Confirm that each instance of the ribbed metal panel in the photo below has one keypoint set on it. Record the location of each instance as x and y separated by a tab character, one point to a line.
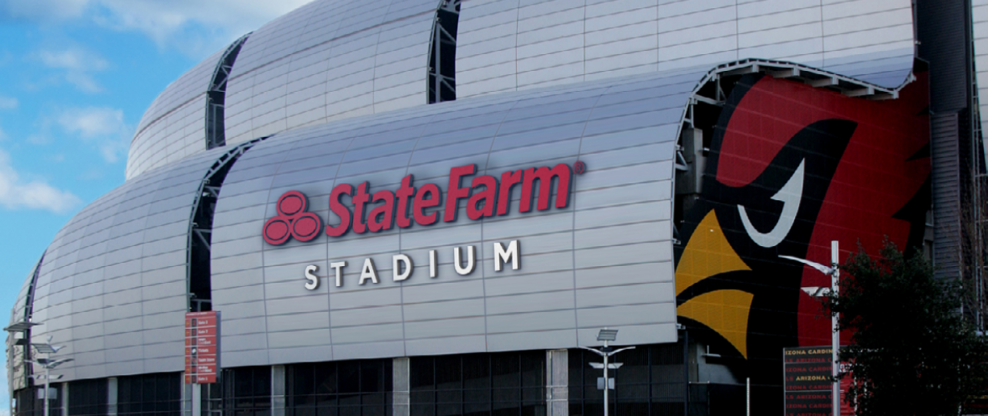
946	194
944	31
518	44
979	16
328	60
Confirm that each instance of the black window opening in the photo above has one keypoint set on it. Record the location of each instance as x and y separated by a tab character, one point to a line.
442	52
505	384
201	228
344	388
651	381
88	397
149	394
247	391
695	141
30	401
23	402
216	95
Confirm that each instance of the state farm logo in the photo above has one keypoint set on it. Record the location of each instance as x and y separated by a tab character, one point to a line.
292	221
486	196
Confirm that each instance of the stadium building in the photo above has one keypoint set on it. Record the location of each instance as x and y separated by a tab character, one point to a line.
427	207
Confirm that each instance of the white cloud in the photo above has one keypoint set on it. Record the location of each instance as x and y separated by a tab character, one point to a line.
8	103
73	59
43	10
78	64
195	27
16	193
83	82
101	126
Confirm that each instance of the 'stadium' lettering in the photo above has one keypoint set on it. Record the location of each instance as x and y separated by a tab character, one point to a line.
485	196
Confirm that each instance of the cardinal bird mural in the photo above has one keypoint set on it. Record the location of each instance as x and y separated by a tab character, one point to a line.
790	168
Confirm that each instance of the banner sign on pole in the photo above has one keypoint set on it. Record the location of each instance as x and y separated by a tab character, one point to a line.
202	347
808	386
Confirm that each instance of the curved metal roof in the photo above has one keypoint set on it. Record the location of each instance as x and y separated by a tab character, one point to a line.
112	286
173	127
334	59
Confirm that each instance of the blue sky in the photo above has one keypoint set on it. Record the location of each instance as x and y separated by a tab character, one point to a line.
75	79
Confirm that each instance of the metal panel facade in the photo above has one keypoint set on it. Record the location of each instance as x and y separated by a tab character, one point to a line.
112	287
334	59
341	87
506	45
606	259
173	127
329	60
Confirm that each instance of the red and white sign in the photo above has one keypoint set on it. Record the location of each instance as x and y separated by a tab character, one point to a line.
375	211
202	358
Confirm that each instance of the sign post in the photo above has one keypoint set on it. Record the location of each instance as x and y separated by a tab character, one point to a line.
835	337
202	347
808	386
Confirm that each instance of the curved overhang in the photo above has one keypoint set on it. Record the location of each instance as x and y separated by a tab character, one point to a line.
505	46
112	286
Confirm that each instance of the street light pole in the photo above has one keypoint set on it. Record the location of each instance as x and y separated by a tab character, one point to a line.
47	390
835	338
834	272
47	363
607	382
22	327
606	352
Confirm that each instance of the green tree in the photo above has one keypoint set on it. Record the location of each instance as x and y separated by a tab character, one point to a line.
911	352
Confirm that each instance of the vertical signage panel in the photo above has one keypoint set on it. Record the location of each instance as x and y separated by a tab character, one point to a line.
808	386
202	349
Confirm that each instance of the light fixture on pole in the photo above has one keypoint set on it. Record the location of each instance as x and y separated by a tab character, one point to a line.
47	363
23	327
834	272
606	335
20	326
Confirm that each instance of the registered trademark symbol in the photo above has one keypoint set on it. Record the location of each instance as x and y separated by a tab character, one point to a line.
579	167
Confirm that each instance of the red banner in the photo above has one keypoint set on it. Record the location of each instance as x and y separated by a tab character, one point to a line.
808	385
202	335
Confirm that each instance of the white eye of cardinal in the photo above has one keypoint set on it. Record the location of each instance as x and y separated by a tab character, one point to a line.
790	195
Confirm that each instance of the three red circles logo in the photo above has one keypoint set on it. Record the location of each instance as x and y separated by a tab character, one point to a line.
292	221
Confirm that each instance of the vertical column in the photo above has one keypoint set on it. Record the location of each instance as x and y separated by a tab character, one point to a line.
196	399
557	382
65	399
277	390
186	389
401	386
111	396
